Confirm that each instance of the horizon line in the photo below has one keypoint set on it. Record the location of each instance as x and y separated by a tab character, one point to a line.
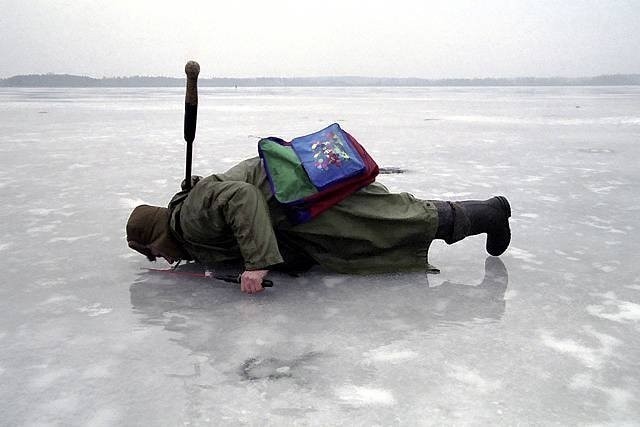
347	76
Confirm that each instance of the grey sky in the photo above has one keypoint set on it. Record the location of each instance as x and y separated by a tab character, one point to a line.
396	38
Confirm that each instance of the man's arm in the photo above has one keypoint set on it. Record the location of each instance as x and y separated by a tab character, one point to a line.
246	212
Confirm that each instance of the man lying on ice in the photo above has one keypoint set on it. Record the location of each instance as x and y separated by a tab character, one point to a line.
234	217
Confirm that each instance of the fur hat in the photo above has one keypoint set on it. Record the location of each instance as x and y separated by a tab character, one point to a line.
149	226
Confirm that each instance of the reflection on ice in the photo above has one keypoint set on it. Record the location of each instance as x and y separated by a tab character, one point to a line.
154	294
324	338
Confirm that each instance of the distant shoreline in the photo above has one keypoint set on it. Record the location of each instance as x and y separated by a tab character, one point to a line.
68	80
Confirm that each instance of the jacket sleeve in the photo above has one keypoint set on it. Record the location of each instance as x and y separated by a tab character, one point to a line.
245	211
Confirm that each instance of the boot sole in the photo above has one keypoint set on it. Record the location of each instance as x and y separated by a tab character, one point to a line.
504	204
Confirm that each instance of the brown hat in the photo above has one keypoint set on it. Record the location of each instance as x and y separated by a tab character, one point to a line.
149	226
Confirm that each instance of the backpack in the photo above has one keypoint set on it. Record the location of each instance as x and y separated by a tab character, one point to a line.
311	173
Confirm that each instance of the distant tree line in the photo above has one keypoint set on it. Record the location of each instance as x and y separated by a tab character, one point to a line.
68	80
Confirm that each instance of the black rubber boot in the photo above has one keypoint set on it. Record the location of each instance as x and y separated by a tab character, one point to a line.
457	220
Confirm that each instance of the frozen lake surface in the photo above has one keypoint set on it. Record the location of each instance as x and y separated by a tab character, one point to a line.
548	333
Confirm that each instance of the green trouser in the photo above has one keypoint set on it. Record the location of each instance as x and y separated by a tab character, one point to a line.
371	231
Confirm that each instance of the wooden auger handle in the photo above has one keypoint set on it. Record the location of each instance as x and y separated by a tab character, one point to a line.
192	69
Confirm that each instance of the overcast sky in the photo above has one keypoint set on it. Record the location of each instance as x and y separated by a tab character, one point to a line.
395	38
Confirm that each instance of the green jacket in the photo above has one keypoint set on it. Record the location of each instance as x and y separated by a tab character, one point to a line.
233	216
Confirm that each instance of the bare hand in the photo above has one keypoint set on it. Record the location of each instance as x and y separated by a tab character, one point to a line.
251	281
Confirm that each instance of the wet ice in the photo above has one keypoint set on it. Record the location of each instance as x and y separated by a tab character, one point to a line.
545	334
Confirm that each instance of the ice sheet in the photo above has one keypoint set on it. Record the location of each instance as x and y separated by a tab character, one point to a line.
546	334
